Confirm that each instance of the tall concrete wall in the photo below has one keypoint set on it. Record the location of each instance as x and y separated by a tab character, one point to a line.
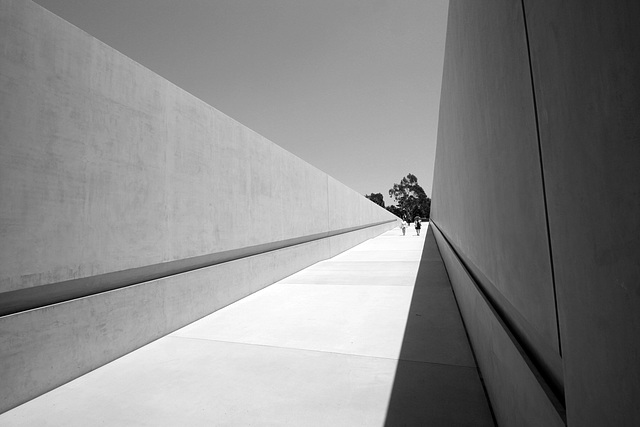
536	207
130	208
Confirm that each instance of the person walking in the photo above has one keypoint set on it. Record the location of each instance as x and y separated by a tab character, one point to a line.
417	224
403	226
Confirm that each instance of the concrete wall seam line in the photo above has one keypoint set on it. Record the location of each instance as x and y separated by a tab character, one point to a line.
544	188
13	302
556	400
107	166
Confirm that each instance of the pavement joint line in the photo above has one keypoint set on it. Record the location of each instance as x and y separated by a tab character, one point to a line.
377	262
374	261
285	348
327	352
456	365
370	261
343	284
377	250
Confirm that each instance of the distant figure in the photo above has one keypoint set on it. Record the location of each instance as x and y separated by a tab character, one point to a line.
403	226
417	224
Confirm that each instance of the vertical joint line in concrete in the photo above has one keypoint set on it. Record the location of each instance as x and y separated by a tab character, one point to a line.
544	190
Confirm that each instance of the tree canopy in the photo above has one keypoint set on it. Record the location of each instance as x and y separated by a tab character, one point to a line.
376	198
411	199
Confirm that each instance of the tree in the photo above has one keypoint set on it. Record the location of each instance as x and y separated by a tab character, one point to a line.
395	210
411	198
376	198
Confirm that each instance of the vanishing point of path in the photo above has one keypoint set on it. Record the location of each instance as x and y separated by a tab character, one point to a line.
371	337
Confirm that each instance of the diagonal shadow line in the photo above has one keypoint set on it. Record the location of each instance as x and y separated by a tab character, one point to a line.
31	298
436	382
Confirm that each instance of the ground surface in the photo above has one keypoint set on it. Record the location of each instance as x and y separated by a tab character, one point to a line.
369	337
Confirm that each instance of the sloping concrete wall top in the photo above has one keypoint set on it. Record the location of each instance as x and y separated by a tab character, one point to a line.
106	166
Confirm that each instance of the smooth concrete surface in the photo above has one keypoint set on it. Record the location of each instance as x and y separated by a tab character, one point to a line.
499	358
487	191
341	242
488	201
536	190
44	348
298	352
586	73
108	170
106	166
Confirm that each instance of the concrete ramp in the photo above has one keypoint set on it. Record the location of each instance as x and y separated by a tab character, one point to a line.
370	337
130	208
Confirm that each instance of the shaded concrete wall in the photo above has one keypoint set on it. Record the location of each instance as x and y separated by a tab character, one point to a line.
536	205
130	208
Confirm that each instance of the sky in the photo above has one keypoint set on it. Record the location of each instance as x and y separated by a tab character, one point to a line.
349	86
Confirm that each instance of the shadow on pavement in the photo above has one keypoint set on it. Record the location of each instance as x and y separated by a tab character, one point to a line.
436	381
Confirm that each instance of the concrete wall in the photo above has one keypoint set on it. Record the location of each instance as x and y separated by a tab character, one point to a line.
130	208
536	204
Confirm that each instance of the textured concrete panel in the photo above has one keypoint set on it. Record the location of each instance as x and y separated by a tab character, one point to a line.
586	65
106	166
488	194
343	212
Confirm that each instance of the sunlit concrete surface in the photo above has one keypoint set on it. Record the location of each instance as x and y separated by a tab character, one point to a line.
321	347
120	196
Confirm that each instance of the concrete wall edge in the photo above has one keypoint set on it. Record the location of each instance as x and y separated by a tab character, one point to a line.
37	297
543	382
44	348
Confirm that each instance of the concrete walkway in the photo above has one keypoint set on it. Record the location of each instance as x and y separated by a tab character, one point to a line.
367	338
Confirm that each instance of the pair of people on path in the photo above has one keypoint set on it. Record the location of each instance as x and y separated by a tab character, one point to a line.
417	222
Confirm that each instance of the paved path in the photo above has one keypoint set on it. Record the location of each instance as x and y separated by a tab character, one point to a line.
369	337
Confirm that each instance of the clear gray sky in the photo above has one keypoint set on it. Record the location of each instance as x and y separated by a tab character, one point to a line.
350	86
